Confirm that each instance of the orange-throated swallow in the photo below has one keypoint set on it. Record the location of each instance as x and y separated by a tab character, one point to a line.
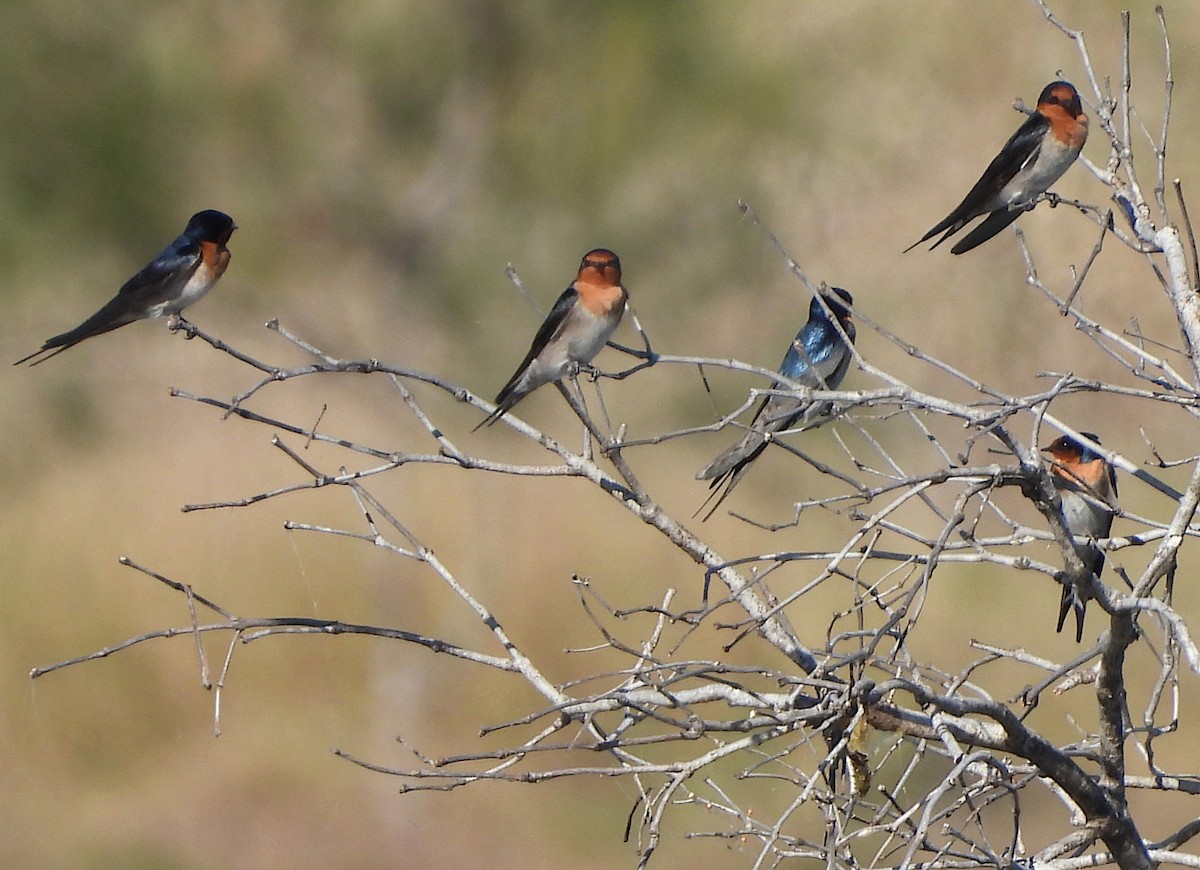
1036	156
818	357
184	271
1087	485
578	326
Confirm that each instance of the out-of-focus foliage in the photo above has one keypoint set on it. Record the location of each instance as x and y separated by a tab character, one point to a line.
385	161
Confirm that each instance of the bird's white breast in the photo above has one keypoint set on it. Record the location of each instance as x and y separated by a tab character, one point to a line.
1053	159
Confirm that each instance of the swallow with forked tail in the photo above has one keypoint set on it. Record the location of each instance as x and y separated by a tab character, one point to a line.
578	326
818	357
1087	485
1036	156
184	271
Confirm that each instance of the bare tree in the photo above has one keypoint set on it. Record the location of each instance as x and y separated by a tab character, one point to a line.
888	756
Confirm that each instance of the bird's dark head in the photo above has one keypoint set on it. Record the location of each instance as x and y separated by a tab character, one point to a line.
1061	94
600	264
838	300
211	225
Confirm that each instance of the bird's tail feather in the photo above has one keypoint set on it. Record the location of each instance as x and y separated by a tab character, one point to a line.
721	487
742	452
991	225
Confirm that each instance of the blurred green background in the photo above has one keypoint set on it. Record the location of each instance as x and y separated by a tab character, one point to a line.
385	161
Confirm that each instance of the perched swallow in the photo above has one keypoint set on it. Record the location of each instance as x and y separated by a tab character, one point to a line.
1087	485
818	358
578	326
1036	156
184	271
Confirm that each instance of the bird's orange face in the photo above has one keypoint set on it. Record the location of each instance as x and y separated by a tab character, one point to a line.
1076	463
600	266
1065	450
1063	94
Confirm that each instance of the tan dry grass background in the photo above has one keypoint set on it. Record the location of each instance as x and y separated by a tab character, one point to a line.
385	161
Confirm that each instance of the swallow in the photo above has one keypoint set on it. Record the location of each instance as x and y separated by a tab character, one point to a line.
818	357
578	326
184	271
1087	485
1035	157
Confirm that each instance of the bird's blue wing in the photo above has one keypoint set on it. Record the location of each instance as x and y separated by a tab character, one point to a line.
1021	149
170	269
547	332
815	356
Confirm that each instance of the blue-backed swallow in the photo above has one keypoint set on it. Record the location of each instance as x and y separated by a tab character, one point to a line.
184	271
1087	485
1036	156
817	358
578	326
